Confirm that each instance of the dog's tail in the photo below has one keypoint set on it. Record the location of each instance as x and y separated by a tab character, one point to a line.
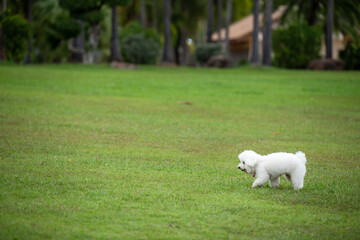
301	155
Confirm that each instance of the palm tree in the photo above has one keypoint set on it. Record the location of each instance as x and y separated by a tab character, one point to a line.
30	19
167	56
2	52
267	33
186	15
210	18
77	44
255	41
143	13
219	19
3	5
308	9
346	14
115	48
329	28
155	8
228	19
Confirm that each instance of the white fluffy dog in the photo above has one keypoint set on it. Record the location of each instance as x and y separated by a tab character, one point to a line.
272	166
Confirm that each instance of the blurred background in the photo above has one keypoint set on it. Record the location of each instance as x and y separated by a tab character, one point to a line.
317	34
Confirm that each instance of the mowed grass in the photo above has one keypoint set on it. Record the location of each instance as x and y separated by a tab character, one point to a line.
90	152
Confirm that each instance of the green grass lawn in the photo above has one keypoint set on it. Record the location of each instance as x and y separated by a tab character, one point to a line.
90	152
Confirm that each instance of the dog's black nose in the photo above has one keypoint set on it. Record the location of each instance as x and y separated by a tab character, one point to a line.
239	168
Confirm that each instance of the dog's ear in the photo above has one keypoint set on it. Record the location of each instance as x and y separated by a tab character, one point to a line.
251	162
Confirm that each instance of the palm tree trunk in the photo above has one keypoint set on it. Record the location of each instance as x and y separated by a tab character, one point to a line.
94	38
255	35
209	20
177	50
2	50
167	56
77	45
228	20
154	13
115	48
329	28
219	20
267	34
311	15
185	49
30	19
3	5
143	13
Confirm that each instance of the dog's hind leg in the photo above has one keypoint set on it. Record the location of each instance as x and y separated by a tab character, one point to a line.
274	182
297	178
298	184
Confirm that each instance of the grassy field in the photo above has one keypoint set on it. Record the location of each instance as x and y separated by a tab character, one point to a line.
90	152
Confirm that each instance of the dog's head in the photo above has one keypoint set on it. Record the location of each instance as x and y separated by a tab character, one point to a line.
248	161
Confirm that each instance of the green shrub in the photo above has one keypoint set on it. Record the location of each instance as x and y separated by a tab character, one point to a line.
242	62
206	50
351	56
131	28
139	45
139	49
15	35
296	46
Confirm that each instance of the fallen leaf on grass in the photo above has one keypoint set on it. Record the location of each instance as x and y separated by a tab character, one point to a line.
186	103
172	226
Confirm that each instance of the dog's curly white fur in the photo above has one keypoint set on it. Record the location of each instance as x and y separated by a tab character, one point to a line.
272	166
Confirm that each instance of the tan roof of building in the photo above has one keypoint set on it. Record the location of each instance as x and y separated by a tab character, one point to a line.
244	27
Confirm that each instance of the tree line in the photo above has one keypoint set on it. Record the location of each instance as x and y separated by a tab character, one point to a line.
76	30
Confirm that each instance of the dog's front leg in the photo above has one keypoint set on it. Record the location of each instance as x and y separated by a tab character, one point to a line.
260	180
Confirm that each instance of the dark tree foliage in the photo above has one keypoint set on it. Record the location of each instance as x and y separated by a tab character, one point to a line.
68	28
85	10
80	6
113	3
351	56
15	31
